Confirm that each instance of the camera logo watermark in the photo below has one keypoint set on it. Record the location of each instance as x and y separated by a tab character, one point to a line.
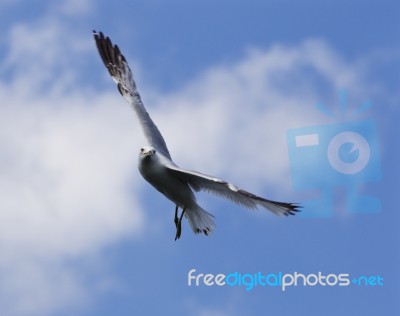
343	154
281	280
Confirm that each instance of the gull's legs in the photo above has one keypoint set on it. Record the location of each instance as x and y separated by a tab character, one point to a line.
176	217
178	223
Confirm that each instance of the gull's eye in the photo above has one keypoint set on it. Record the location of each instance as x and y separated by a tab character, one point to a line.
141	150
154	151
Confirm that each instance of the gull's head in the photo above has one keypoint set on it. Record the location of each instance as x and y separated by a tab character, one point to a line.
146	152
148	161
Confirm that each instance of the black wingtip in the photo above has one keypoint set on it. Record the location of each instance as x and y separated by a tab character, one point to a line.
206	231
109	53
97	35
293	208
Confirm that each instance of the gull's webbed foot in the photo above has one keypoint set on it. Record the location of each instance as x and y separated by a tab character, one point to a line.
178	231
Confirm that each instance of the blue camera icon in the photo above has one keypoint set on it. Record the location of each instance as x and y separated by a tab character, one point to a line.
326	156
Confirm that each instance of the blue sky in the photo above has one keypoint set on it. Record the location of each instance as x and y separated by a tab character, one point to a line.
81	233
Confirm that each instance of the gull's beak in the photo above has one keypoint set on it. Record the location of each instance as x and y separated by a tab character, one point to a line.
147	153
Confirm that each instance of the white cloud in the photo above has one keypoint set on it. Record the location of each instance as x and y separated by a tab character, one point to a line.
69	183
64	163
66	185
66	179
68	157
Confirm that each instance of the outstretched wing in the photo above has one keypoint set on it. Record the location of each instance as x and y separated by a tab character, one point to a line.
119	70
199	181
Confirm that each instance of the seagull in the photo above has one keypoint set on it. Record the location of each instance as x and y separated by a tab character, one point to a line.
156	166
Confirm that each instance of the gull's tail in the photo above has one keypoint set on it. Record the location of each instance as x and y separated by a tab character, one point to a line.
200	221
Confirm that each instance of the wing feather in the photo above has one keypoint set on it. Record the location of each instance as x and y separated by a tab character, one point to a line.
199	181
120	72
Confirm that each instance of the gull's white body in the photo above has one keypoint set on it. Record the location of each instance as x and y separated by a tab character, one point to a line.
154	168
156	165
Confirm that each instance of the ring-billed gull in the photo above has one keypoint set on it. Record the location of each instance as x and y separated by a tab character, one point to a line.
156	165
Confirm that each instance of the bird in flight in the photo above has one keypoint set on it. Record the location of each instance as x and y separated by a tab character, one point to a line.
156	165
